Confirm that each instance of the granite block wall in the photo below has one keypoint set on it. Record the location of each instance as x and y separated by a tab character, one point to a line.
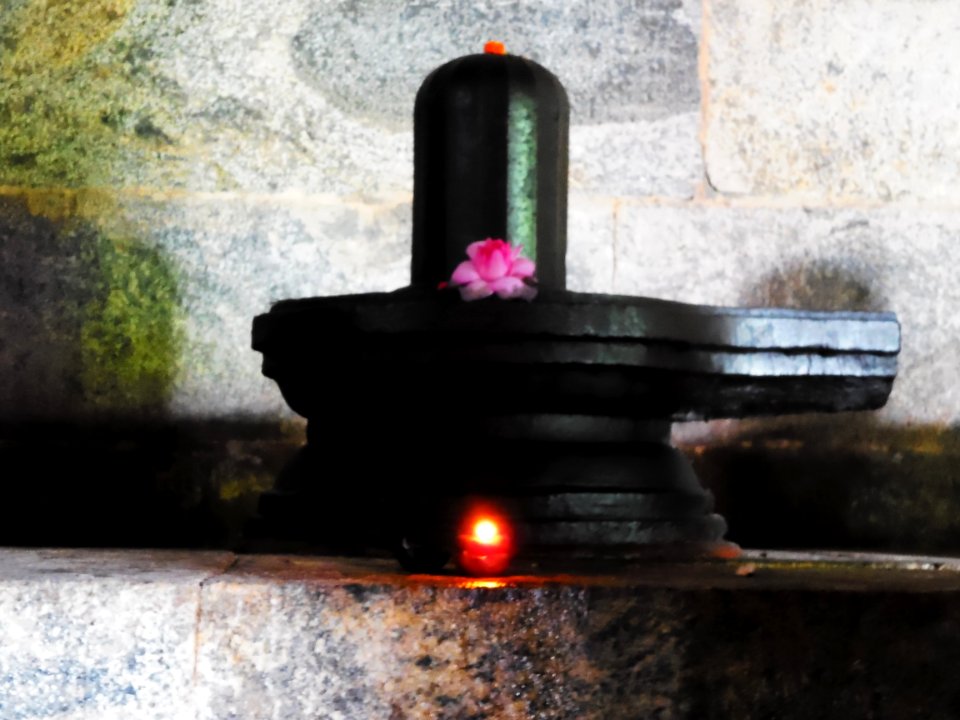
168	168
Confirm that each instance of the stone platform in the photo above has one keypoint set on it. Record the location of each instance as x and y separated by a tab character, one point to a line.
141	634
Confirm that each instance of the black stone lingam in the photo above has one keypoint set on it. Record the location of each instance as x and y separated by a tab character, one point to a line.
555	411
490	161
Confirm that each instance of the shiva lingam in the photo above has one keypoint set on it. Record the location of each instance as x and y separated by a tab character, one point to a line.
486	411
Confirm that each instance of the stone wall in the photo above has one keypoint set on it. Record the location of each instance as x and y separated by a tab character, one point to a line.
168	168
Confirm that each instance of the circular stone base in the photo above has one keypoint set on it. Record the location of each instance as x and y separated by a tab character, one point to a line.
556	411
587	485
573	353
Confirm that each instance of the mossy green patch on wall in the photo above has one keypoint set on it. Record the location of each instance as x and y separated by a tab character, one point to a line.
131	334
58	32
93	321
75	95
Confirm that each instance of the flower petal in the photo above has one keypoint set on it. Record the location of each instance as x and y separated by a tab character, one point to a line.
507	287
528	293
465	273
522	268
474	247
492	263
475	290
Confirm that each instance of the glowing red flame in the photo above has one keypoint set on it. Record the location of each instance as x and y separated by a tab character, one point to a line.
486	544
487	532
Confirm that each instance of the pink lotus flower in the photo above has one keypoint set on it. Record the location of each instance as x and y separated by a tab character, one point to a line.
497	267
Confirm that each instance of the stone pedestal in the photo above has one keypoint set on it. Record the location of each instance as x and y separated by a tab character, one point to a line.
212	636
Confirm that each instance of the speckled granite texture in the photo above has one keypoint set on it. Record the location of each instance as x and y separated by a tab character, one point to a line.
833	101
177	636
318	97
90	636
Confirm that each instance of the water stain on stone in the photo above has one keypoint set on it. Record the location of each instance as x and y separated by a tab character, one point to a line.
819	285
850	481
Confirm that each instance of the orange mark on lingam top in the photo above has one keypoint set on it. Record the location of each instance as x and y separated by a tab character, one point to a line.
495	47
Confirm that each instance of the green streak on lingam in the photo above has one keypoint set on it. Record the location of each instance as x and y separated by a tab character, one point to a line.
522	174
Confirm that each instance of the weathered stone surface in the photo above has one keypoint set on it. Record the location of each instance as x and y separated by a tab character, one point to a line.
100	636
236	96
286	638
618	64
120	304
123	304
826	100
163	635
660	157
590	244
883	259
178	95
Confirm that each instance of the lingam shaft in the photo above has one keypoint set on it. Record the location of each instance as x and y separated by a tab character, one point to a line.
490	161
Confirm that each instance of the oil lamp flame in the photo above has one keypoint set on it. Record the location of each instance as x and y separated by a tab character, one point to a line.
487	532
486	544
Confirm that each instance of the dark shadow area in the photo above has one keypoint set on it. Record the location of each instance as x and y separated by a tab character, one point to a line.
852	646
843	481
90	347
833	481
796	654
173	484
